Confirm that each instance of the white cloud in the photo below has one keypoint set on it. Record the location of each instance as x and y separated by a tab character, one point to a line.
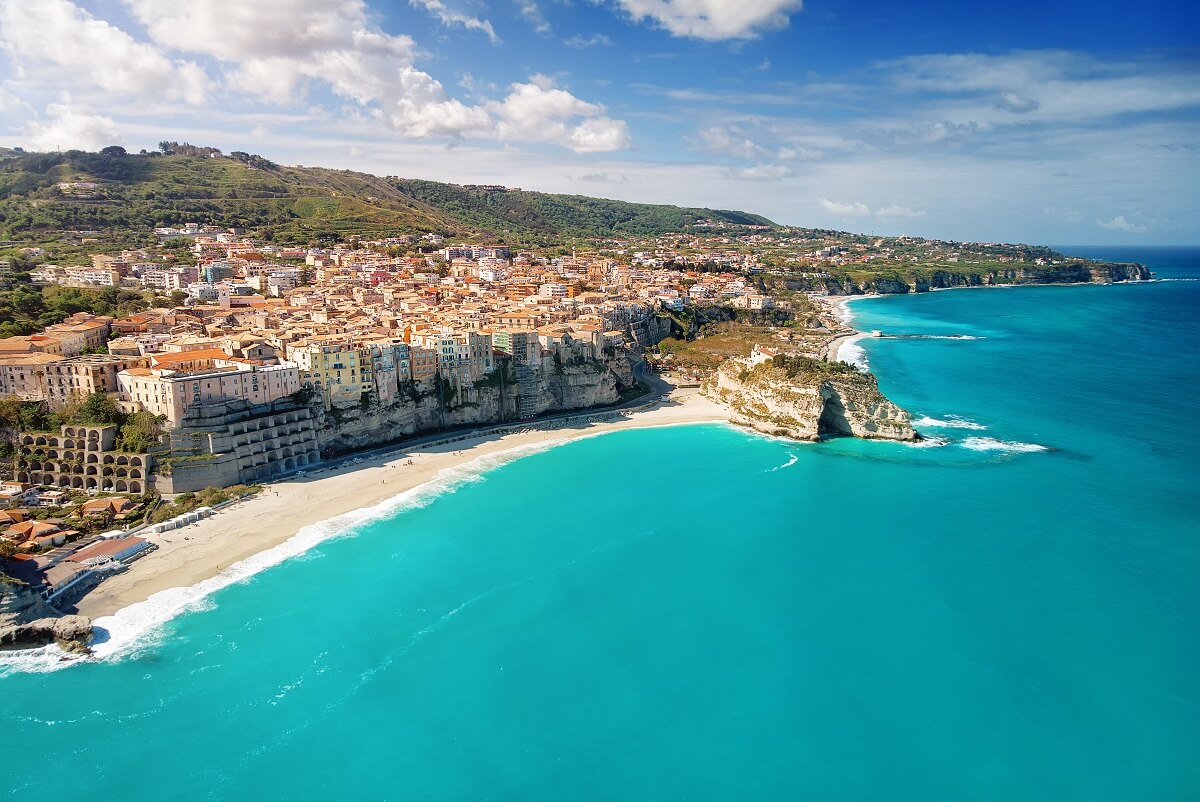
540	111
450	17
852	209
70	129
60	41
580	42
275	49
731	141
758	172
1119	223
714	19
894	211
423	109
533	15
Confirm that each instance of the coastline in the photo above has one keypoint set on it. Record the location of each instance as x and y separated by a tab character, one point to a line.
842	346
223	545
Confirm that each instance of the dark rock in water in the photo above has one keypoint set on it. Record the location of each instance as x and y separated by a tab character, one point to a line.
26	622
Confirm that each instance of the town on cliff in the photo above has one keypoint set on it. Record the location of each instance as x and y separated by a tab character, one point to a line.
143	385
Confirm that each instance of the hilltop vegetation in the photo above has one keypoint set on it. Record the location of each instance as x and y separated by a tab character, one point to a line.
41	200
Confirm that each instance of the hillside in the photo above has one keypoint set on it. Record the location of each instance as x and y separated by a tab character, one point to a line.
44	195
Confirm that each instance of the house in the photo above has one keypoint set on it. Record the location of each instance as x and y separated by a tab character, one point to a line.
40	533
10	517
14	494
115	506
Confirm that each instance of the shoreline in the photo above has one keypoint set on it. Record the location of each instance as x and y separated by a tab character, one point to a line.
224	544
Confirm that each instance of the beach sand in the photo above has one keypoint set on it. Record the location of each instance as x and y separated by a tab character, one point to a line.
197	552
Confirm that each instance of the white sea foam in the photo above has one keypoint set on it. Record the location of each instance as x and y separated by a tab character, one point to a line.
1006	446
138	626
850	351
928	442
951	422
791	461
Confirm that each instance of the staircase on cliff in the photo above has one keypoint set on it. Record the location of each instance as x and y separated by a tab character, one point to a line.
527	383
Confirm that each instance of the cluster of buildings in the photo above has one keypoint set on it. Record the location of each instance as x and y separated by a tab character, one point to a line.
262	327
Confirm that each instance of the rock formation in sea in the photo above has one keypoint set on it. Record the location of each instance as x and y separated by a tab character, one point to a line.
806	399
26	620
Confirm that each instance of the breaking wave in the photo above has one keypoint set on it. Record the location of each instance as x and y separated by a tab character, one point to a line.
136	627
1005	446
951	422
791	461
850	351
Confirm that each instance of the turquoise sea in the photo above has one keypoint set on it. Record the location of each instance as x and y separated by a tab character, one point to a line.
1011	612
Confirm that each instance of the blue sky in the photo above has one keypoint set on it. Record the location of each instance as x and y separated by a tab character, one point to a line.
1063	122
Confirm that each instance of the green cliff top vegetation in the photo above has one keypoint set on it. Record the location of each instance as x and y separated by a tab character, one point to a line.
136	192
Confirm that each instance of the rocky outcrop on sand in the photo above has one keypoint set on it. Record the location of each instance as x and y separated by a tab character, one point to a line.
27	621
807	399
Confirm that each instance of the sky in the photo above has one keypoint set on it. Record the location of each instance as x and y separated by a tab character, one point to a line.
1056	121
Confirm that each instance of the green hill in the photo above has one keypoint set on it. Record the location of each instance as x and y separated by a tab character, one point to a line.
45	196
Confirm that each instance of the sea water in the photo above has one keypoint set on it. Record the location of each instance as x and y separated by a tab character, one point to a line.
1009	611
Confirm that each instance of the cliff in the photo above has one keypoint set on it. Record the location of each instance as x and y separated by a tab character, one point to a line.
806	399
25	620
555	385
1072	272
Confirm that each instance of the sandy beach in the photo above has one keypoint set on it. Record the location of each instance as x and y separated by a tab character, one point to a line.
190	555
840	307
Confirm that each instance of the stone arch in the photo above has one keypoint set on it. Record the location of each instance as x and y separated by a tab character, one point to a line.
68	455
77	482
90	483
41	441
135	461
23	477
69	431
107	459
49	479
78	470
134	473
120	486
122	460
289	464
121	472
107	470
135	487
92	458
91	470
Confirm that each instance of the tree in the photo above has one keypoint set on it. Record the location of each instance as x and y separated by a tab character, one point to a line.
140	432
113	150
97	409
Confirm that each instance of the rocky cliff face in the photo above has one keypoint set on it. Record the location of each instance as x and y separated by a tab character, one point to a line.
25	621
805	400
556	385
1075	272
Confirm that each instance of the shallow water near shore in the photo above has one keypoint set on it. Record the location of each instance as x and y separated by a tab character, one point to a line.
1006	612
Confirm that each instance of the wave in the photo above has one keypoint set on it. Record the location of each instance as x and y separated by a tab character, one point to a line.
951	422
138	626
928	442
850	351
792	461
1006	446
931	337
